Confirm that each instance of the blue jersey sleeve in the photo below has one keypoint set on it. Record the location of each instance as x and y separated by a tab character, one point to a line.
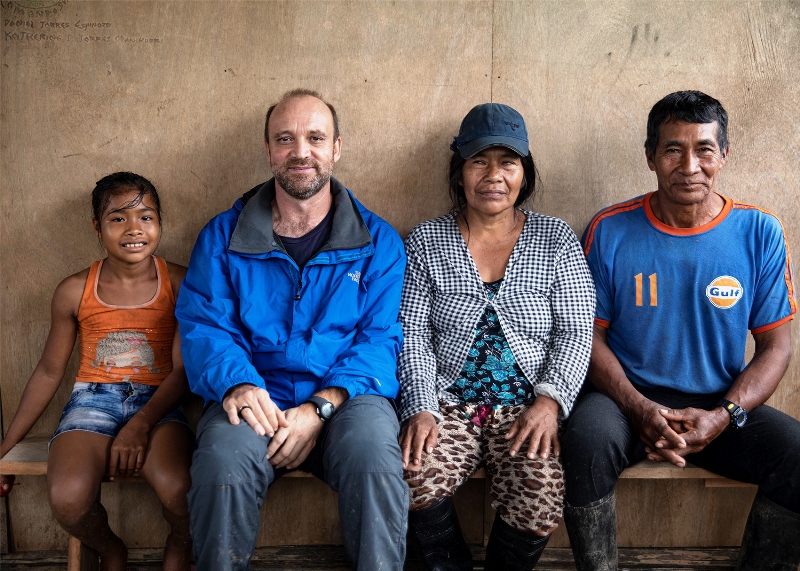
774	301
592	248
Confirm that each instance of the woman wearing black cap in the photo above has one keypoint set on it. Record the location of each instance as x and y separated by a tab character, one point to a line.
497	313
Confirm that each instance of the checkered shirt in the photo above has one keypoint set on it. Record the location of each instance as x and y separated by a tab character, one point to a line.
545	305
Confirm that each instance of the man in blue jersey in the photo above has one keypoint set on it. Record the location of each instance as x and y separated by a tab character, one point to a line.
290	331
682	274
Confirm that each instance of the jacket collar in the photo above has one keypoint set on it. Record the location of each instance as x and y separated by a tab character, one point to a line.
253	233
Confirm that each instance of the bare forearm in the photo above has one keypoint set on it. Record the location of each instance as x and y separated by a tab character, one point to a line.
335	395
608	376
758	381
37	395
167	397
169	393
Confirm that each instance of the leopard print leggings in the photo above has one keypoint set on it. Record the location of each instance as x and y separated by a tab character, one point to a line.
528	494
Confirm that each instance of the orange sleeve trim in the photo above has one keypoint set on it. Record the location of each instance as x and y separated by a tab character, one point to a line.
602	322
632	204
778	323
788	273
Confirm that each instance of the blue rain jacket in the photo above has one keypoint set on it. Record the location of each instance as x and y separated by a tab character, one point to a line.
248	314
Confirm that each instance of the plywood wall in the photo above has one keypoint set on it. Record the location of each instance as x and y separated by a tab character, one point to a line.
176	90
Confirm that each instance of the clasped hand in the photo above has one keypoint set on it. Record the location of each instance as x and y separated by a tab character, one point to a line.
670	435
255	407
293	433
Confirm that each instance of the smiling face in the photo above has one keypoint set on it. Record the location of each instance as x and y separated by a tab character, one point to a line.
687	162
129	228
492	180
301	146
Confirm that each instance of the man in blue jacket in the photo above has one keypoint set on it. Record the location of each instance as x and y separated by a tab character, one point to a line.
288	319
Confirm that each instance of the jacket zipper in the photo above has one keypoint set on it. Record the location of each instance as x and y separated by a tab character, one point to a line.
299	286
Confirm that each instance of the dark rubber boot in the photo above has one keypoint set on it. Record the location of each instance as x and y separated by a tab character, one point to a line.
512	550
771	539
436	532
592	531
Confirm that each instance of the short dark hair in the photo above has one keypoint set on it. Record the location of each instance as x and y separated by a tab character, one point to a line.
301	92
459	199
120	183
688	106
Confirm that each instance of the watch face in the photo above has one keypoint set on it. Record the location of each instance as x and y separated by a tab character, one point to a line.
326	411
738	414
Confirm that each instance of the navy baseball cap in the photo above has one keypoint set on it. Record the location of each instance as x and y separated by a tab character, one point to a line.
491	125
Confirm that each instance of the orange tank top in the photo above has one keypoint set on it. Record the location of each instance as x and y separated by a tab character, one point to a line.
126	343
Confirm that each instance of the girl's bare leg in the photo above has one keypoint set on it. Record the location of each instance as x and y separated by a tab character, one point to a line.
75	467
166	469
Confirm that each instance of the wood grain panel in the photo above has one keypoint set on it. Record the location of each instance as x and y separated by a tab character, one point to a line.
176	90
585	75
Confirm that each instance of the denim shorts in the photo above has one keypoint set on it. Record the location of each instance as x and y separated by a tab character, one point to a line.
104	408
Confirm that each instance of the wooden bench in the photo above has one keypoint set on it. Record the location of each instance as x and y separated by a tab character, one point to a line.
29	458
648	470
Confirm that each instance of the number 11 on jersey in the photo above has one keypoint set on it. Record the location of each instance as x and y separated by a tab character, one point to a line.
653	289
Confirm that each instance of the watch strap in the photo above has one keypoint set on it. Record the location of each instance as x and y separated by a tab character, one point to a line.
735	412
320	404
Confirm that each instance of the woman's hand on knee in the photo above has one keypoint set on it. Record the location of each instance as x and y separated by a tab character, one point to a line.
418	433
537	425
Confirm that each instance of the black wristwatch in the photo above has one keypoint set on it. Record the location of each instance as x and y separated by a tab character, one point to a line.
325	408
738	414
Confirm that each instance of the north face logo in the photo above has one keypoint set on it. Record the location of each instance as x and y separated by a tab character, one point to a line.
355	276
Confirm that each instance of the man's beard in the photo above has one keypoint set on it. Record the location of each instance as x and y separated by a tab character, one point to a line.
300	187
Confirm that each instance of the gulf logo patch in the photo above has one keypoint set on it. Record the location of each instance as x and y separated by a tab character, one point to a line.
724	292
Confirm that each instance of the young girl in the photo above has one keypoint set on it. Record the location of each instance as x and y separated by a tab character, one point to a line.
123	416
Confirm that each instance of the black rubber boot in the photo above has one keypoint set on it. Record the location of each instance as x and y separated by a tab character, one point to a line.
512	550
592	531
438	536
771	539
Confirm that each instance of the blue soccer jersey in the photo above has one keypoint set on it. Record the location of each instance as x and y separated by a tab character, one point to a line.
678	302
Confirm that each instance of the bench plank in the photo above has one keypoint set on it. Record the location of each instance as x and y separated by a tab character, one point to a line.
27	458
649	470
660	470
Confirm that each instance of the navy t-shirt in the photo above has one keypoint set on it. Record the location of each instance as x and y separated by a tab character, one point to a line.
302	249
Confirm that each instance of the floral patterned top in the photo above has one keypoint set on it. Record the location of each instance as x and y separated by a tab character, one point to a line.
491	374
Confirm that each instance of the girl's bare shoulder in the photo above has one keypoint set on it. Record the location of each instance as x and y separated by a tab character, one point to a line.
176	275
69	292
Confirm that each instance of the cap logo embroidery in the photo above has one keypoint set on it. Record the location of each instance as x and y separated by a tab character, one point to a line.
514	126
724	292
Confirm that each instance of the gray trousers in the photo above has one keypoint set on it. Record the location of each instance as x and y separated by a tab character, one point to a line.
357	455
